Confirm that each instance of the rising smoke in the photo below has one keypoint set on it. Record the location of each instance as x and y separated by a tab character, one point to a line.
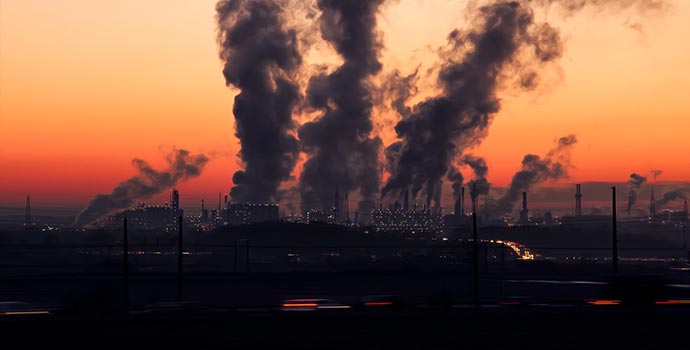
503	45
341	151
147	183
479	185
505	41
554	166
669	196
261	58
634	184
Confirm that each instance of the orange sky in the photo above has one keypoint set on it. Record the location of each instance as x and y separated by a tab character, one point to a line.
85	86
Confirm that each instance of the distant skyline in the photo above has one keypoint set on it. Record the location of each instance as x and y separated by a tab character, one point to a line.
86	87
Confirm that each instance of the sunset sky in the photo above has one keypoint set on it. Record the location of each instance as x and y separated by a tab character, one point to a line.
86	86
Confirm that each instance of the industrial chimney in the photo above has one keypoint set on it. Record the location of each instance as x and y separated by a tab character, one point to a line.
578	201
524	216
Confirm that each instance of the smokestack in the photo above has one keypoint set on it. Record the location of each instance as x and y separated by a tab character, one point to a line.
457	209
335	206
225	200
406	199
652	205
462	201
524	212
474	198
685	210
174	199
27	213
347	207
578	200
219	203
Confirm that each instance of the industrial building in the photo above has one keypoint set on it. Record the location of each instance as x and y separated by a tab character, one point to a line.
249	213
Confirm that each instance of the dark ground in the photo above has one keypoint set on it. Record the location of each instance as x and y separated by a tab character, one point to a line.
607	327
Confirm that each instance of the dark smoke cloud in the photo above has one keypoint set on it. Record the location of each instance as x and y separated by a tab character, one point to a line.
479	185
401	88
656	173
456	179
669	196
505	41
146	184
554	166
341	151
636	180
634	184
261	57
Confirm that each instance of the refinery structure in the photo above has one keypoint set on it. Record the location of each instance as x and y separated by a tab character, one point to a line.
405	216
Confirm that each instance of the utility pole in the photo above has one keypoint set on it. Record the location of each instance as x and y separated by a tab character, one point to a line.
475	243
614	231
125	263
179	263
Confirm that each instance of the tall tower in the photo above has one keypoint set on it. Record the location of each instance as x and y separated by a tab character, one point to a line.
457	211
652	205
685	213
406	201
219	202
347	207
175	199
473	195
335	204
578	201
27	214
204	212
524	212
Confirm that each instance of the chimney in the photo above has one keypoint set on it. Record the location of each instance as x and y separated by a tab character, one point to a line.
473	194
652	205
406	199
457	210
347	207
335	206
462	201
524	216
27	214
578	201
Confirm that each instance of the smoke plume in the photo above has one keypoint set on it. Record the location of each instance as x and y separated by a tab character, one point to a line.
554	166
680	193
479	185
261	57
505	41
656	173
504	44
341	151
634	184
147	183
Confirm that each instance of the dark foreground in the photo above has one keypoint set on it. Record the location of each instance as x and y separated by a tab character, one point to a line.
610	327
